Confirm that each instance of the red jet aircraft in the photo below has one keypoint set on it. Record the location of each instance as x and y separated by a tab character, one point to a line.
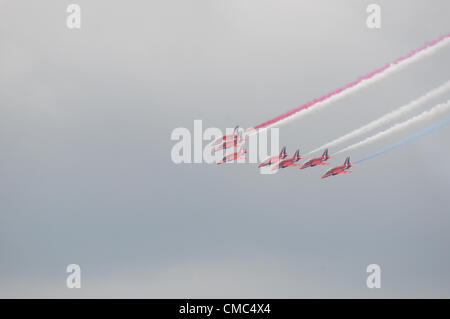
317	161
275	159
234	156
238	139
227	138
290	161
339	169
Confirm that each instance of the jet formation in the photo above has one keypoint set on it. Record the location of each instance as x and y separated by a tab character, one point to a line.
280	161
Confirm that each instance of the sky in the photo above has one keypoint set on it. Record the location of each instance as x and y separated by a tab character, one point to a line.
86	175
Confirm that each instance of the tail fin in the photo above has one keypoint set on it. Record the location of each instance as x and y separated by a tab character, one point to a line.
237	137
296	156
283	152
325	153
347	162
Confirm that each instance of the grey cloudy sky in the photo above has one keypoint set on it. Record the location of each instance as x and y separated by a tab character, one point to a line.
85	169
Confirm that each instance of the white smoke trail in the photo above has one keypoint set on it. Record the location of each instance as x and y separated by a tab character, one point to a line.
372	77
429	114
387	117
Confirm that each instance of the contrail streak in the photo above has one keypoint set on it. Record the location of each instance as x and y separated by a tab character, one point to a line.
436	110
408	139
387	117
361	82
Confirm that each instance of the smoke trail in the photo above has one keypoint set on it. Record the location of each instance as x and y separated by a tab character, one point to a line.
410	138
438	109
361	82
387	117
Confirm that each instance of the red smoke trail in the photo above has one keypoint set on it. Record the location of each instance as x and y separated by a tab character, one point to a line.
361	80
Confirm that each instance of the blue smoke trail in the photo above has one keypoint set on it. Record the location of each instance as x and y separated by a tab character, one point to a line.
410	138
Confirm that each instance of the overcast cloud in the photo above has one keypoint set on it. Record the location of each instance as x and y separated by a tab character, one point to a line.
85	169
